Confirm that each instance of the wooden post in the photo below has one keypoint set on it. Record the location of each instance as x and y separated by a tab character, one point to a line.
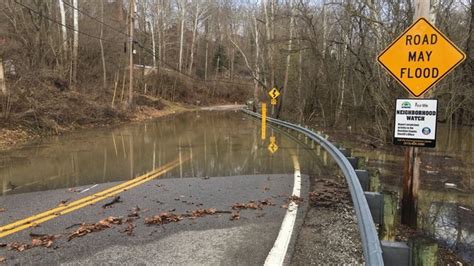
411	173
130	42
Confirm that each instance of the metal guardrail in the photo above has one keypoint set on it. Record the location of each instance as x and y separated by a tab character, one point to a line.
368	233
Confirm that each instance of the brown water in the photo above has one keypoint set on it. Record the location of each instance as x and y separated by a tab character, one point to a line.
445	213
208	143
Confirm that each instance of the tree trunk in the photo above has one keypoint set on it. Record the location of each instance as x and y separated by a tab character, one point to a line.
206	35
257	68
130	81
63	29
288	63
153	44
195	26
269	42
75	45
3	86
181	38
104	70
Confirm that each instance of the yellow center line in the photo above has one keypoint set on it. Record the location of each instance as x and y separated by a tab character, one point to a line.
86	201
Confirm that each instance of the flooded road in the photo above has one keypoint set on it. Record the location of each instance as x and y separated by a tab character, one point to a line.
225	189
208	143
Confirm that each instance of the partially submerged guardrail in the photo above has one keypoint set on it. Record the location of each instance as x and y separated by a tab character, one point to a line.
368	232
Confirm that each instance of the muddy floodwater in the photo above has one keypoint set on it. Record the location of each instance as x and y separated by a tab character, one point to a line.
207	143
446	198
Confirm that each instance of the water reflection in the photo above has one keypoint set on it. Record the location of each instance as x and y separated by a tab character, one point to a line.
453	224
446	215
216	143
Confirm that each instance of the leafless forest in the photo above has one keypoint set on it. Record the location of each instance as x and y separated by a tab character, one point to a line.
67	61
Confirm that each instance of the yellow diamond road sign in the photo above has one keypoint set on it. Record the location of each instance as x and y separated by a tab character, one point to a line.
274	93
272	147
420	57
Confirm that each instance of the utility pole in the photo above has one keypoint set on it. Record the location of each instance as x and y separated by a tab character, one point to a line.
130	43
411	172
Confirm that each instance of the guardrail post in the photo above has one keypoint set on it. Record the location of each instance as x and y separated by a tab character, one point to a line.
390	203
363	177
346	152
375	201
354	161
395	253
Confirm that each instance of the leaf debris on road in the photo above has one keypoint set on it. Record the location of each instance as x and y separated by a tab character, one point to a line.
2	259
129	229
85	229
235	216
18	246
134	213
43	240
297	200
163	218
252	205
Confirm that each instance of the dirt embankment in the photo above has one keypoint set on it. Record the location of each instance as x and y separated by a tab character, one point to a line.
43	104
55	113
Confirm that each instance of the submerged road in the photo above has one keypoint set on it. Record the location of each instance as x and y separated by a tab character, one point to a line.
181	211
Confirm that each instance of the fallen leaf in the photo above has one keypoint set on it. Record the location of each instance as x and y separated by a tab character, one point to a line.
202	212
163	218
295	199
284	206
2	259
235	216
63	202
252	205
266	202
129	229
238	206
18	246
42	240
2	209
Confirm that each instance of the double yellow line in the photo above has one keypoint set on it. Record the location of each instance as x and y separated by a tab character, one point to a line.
67	208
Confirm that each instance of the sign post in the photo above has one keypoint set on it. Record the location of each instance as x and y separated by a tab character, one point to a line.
419	58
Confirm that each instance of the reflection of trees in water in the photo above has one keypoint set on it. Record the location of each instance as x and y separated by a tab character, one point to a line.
454	225
216	143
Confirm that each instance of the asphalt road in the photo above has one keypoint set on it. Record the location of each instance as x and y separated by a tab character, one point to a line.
211	239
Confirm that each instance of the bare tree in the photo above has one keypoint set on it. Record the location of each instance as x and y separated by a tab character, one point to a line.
75	46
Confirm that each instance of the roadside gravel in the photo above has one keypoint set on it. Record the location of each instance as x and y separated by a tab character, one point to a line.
329	234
